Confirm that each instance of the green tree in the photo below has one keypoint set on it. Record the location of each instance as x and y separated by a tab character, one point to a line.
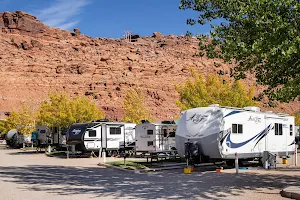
259	36
134	107
200	92
62	111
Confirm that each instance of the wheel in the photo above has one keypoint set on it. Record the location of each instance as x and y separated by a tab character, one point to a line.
114	153
230	163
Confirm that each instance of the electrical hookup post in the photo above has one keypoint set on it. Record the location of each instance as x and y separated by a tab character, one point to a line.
295	155
236	164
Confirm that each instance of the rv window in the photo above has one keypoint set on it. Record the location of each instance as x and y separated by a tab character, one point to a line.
240	128
234	128
92	133
149	132
115	131
150	143
172	134
278	129
291	129
237	128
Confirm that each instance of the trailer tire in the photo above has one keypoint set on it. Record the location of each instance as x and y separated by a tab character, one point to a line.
230	163
114	153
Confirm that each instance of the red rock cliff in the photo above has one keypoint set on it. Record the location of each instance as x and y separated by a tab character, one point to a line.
35	59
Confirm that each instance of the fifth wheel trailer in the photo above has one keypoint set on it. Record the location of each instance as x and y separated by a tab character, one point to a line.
221	132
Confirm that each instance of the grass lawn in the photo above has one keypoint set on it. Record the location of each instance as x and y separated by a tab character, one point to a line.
57	153
129	164
29	148
141	164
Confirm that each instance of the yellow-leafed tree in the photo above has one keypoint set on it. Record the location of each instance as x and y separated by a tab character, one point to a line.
23	120
62	111
134	107
297	118
85	110
200	92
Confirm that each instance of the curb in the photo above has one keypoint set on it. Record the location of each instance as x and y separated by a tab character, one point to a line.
291	192
118	168
47	154
139	171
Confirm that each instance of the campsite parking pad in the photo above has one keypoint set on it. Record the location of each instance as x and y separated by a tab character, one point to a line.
32	176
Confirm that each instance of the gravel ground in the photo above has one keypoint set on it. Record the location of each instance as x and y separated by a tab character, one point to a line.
32	176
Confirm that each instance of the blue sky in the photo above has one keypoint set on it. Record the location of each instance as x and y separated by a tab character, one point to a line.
110	18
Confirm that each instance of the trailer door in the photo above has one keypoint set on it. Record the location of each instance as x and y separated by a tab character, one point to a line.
115	135
276	139
92	138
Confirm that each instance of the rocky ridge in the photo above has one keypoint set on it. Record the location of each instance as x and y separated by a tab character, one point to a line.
36	59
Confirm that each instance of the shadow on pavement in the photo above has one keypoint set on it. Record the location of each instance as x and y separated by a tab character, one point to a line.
26	152
101	182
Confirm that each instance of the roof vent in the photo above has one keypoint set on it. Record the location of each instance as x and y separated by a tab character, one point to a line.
214	105
252	108
101	120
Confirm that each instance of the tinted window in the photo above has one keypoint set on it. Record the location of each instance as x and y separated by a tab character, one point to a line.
291	130
149	132
115	131
172	134
234	128
237	128
150	143
240	128
278	129
92	133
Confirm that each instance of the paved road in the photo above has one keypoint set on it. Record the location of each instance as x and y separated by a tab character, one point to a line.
27	175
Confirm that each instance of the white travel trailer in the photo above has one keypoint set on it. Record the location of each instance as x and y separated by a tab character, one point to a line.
87	137
43	136
220	132
47	136
155	137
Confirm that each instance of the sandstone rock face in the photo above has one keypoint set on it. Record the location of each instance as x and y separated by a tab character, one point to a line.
76	32
157	35
21	21
36	59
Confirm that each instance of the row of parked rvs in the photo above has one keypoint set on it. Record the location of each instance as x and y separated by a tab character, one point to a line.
216	133
208	133
41	137
144	137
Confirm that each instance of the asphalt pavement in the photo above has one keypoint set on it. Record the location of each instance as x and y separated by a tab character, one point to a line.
27	175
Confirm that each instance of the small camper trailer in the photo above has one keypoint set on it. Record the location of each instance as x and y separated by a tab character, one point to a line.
14	139
221	132
50	136
155	137
87	137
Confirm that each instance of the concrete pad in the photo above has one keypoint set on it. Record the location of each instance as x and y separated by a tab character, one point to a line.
292	192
